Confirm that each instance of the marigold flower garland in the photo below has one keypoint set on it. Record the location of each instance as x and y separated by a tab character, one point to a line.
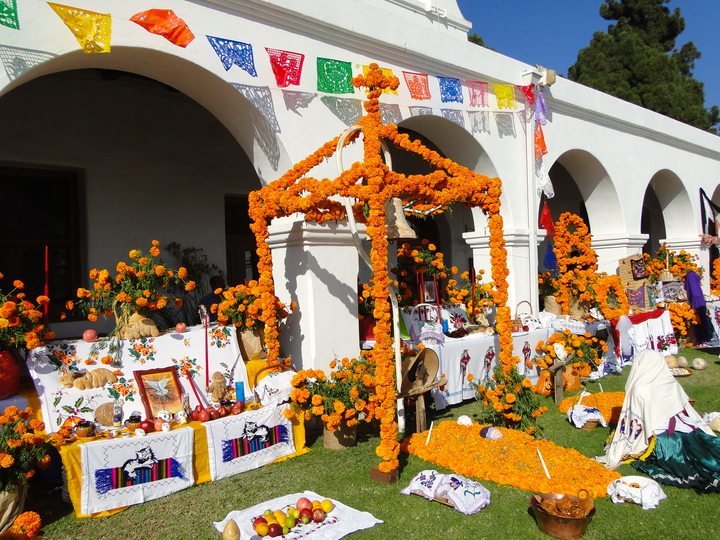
586	348
512	460
372	184
608	403
577	279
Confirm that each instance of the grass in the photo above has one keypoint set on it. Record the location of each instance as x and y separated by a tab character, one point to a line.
344	475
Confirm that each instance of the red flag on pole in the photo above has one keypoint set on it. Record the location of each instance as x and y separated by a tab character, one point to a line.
546	221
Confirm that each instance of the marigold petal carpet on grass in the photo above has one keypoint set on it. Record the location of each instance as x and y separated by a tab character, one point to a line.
608	403
512	460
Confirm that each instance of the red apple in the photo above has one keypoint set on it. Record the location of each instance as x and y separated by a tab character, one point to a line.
258	520
147	426
158	424
237	407
318	515
303	502
274	529
214	414
222	412
89	335
306	513
180	327
204	416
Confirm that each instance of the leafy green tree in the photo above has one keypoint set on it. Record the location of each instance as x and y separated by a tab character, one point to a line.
478	40
636	60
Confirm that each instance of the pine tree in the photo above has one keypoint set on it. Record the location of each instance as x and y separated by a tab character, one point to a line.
636	60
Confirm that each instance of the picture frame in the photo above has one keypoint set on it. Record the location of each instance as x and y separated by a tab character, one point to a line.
429	292
160	390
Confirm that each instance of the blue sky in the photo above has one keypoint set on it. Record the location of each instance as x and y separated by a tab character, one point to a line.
551	32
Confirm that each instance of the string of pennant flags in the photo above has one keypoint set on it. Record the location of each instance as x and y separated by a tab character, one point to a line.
93	32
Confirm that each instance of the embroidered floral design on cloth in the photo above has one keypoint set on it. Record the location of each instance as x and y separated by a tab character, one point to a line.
636	297
512	460
417	83
165	23
8	14
478	93
92	30
286	66
234	53
450	90
333	76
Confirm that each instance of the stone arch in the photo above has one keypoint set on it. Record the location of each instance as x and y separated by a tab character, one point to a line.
675	203
457	144
237	107
599	195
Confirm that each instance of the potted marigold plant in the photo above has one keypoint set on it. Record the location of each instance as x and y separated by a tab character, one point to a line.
340	400
20	327
135	290
247	307
23	449
587	351
508	400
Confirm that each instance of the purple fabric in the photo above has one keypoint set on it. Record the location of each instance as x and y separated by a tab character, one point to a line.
693	290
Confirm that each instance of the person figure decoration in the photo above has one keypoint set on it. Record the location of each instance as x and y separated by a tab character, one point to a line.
660	434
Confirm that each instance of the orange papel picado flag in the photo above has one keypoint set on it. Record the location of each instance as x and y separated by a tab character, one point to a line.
91	29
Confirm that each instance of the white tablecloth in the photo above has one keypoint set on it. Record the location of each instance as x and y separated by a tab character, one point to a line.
186	351
478	354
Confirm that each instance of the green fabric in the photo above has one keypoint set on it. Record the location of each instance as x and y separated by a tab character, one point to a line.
687	460
8	14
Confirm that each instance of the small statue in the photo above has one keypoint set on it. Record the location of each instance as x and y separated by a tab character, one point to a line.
218	390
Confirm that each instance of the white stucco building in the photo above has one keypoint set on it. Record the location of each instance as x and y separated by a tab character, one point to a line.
151	140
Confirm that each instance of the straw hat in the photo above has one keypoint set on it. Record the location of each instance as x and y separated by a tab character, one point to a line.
420	370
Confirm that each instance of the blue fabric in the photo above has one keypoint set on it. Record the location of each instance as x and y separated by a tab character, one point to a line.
550	260
234	53
686	460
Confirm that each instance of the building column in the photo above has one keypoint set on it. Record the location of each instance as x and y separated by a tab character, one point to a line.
316	266
693	245
518	261
610	248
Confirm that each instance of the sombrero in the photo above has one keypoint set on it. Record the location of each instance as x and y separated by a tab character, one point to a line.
419	371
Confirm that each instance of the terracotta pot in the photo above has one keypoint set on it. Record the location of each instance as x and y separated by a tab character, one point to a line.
344	437
12	503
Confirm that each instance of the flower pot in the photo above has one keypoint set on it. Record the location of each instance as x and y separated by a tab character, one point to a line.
341	438
9	375
12	503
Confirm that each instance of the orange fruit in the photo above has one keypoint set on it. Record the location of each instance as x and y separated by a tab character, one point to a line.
280	517
316	504
261	529
327	505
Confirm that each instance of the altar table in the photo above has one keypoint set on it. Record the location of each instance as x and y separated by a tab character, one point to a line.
477	354
202	467
196	354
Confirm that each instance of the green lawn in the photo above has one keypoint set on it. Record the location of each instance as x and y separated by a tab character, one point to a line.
344	475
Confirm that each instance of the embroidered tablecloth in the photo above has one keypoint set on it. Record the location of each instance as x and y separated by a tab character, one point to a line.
187	351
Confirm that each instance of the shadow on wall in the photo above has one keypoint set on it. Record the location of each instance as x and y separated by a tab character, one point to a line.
265	123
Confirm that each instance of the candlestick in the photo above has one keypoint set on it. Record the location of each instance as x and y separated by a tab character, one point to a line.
46	288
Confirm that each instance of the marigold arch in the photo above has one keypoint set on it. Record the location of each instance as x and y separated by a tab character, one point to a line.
371	184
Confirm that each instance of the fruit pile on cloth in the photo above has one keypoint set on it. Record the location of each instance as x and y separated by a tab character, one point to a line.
342	521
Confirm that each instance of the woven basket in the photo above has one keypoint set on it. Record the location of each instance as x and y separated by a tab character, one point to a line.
517	320
591	424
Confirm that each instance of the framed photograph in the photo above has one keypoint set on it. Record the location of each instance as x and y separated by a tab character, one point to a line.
429	292
160	390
